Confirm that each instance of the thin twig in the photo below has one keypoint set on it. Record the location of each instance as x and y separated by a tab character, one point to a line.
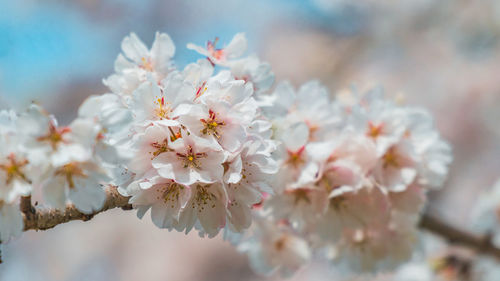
480	243
42	219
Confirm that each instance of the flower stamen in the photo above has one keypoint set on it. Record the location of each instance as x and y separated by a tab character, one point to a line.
211	125
191	158
14	169
54	136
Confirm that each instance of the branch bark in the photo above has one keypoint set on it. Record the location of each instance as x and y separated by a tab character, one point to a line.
480	243
42	219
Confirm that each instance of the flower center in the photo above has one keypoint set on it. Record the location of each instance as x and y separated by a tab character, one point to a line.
390	159
218	54
13	169
69	171
211	125
204	198
295	158
160	148
163	110
54	136
191	158
171	192
374	131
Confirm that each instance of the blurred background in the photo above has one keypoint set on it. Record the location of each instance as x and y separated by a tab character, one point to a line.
440	54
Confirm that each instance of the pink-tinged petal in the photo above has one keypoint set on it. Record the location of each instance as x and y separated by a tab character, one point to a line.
410	200
166	163
320	151
140	163
213	164
179	145
204	176
308	174
246	194
233	174
170	167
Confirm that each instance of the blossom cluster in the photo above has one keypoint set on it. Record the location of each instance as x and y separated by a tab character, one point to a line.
353	177
199	148
215	146
62	162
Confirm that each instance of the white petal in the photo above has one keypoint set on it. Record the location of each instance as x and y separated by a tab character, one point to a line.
237	46
232	137
11	222
54	192
133	48
87	196
296	136
162	51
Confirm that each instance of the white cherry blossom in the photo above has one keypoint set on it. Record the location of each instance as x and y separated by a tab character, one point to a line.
138	63
190	160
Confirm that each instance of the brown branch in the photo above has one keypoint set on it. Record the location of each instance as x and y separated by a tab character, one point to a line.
480	243
42	219
26	207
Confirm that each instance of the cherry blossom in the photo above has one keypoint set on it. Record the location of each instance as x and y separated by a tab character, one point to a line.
287	174
191	160
138	63
275	249
16	175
